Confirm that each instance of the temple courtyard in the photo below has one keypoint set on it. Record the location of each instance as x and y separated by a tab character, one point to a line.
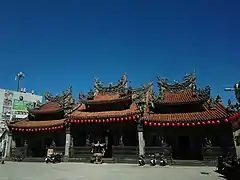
80	171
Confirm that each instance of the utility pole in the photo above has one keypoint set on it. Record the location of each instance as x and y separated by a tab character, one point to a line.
19	77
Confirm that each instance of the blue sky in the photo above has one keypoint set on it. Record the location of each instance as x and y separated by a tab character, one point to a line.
58	44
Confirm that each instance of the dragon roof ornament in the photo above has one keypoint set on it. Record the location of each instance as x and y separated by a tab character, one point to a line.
189	83
66	101
118	88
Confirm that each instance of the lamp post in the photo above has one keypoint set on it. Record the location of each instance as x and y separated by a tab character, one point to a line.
19	77
236	89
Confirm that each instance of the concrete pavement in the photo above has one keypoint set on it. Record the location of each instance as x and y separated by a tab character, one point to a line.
80	171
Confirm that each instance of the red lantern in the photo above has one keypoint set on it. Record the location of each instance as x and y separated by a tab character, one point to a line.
203	123
110	119
89	121
72	121
121	119
133	117
85	121
81	121
193	124
114	119
92	121
150	124
99	121
36	130
163	124
145	122
19	129
129	118
126	118
183	124
103	120
159	124
178	124
213	122
75	121
188	124
226	120
209	122
39	129
173	124
26	130
78	121
217	121
137	116
154	124
198	123
230	118
168	124
107	120
12	129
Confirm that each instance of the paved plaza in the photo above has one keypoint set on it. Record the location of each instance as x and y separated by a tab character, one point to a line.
79	171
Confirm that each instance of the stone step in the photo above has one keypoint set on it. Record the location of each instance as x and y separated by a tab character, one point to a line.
193	163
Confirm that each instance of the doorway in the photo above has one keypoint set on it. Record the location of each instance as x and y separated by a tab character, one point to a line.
182	151
108	139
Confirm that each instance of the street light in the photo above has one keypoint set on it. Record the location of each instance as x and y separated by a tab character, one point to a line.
236	89
19	77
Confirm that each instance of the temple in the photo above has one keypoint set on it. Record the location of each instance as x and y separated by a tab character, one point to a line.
181	120
186	122
43	128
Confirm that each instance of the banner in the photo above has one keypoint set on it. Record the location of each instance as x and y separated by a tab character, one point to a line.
19	105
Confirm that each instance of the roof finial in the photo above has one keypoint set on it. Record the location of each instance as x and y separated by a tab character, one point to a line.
218	99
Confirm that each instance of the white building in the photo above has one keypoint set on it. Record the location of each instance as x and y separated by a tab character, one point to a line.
14	105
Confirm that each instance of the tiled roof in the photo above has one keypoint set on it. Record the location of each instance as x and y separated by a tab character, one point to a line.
36	124
46	108
107	98
218	112
80	112
181	97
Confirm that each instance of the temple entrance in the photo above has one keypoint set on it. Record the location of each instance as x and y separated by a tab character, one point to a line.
188	148
182	150
184	147
36	148
108	140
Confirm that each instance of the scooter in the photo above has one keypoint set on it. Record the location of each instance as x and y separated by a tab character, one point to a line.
163	160
141	161
50	158
53	158
153	160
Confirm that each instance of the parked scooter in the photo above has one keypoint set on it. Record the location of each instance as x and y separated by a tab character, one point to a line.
141	161
53	158
153	160
163	160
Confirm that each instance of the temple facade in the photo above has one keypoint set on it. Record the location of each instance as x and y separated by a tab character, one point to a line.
181	120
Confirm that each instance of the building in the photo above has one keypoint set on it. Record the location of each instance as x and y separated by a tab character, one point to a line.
14	105
180	120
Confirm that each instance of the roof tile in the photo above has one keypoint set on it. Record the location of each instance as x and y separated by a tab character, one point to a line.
218	112
181	97
37	124
80	112
47	108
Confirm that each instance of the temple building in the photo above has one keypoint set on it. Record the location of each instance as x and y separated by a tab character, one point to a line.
187	122
181	120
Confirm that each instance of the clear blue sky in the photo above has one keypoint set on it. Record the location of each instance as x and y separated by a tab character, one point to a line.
57	44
